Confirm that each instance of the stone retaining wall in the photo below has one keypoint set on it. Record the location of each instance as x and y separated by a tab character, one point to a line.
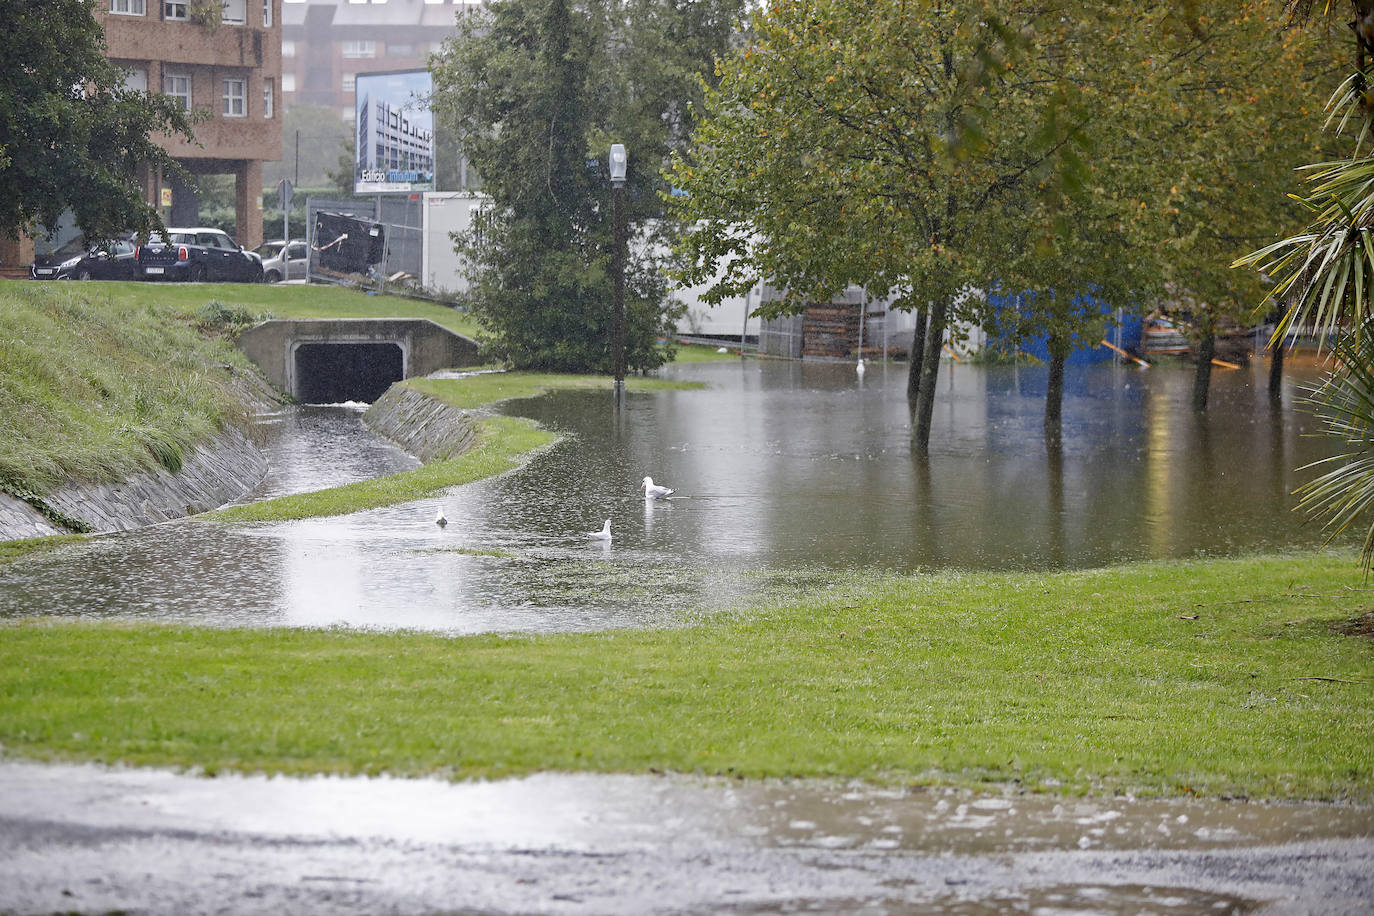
218	472
229	466
427	428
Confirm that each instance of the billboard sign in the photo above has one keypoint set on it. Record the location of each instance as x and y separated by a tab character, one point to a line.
394	133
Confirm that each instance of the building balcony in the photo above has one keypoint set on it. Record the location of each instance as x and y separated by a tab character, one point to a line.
229	138
184	42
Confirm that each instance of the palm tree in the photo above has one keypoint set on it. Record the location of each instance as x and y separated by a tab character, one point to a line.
1325	277
1345	405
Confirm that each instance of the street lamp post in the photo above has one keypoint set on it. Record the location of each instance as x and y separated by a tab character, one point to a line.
619	160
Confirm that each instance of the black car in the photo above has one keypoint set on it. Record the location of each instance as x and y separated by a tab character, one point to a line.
78	261
197	255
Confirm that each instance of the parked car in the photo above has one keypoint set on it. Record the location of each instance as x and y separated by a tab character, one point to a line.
277	266
198	255
77	260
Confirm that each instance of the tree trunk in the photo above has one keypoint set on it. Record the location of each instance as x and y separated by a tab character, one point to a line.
1054	470
1276	373
1054	397
916	355
1202	382
930	368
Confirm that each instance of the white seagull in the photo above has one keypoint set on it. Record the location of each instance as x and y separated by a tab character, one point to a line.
860	367
603	535
653	490
439	519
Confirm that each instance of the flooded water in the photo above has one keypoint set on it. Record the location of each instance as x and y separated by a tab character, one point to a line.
776	466
314	447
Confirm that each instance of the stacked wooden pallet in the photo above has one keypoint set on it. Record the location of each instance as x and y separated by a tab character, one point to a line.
830	331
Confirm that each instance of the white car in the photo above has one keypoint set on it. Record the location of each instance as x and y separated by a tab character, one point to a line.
276	267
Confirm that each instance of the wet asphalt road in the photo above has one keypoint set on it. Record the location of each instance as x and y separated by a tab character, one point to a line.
87	839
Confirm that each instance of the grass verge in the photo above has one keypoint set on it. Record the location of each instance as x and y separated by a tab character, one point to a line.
503	443
98	390
704	353
286	301
1217	677
489	388
26	547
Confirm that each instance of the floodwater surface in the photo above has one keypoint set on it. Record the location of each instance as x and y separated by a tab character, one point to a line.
777	467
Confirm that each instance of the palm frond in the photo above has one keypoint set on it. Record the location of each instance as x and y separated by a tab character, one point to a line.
1344	403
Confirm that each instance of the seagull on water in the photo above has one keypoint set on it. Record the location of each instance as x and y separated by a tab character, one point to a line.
439	519
860	367
603	535
653	490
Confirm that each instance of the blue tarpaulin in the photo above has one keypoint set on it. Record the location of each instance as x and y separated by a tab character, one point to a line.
1001	333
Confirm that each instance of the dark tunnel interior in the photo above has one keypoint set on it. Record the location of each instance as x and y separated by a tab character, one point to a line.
331	373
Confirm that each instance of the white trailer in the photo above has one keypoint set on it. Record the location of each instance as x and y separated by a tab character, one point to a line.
446	212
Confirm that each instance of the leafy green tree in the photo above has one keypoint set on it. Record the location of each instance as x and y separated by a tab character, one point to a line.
926	150
894	145
71	135
537	90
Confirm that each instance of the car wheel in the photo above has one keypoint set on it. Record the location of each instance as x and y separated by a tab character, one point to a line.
258	275
197	273
273	277
83	274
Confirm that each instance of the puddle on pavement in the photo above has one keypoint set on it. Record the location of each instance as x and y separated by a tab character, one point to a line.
746	847
586	811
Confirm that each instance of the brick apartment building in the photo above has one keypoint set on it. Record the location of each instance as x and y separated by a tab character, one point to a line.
231	70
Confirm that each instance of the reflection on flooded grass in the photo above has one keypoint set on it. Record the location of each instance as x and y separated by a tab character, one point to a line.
784	474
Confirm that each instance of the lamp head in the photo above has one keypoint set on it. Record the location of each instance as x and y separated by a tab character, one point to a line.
619	160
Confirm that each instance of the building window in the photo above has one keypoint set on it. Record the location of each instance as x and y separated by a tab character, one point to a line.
129	7
267	14
358	49
235	12
174	9
350	82
288	49
234	94
136	78
288	82
178	87
397	49
267	86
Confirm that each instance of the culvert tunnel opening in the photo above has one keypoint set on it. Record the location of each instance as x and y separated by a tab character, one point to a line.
332	373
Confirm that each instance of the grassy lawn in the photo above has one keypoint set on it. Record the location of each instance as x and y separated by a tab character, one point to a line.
704	353
286	301
489	388
1218	677
98	389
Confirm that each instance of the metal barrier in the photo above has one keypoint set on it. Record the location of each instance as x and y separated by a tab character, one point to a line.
401	218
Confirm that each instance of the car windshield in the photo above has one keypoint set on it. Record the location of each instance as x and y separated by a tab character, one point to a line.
72	249
269	249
